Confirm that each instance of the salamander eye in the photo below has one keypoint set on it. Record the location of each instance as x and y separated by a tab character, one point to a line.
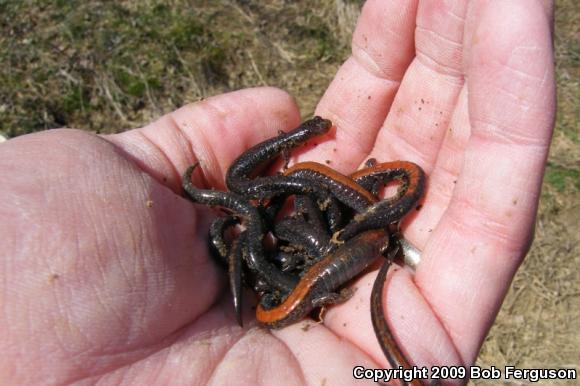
318	125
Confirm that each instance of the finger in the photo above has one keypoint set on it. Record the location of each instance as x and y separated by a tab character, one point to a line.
482	237
321	356
416	125
358	99
443	177
449	163
212	132
405	310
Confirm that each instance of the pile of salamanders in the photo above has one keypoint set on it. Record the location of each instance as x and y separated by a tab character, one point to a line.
324	228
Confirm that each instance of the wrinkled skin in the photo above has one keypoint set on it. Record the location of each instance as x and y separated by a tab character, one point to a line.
104	269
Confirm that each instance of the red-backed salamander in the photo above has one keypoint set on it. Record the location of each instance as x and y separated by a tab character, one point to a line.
292	261
306	209
240	177
314	241
344	188
251	220
240	174
388	211
317	286
218	246
230	255
238	253
382	330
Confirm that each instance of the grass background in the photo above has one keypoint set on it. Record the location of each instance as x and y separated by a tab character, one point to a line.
108	66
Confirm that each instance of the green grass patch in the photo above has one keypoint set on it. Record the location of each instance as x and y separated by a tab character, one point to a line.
84	63
315	37
562	178
109	66
567	52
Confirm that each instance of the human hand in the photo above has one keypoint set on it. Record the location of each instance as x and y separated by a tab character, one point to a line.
105	269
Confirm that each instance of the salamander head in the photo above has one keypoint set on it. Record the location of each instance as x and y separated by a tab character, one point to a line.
318	125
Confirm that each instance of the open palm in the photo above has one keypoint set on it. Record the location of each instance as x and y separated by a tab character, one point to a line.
105	271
